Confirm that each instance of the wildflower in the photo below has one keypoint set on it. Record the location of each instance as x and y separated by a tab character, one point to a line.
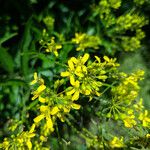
75	106
76	67
36	79
42	100
79	64
111	62
148	136
115	3
116	142
5	144
70	72
86	41
53	47
130	20
21	141
28	136
128	88
128	119
38	92
139	106
45	113
145	119
75	90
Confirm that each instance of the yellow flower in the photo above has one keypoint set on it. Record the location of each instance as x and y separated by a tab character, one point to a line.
86	41
25	138
145	119
111	61
76	67
139	106
116	142
32	128
79	37
128	119
46	113
54	110
75	106
42	100
38	92
70	72
36	79
39	118
80	69
148	136
53	47
5	144
74	91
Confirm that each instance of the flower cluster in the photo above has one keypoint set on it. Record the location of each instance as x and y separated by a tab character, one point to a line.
117	143
118	26
52	105
21	141
86	41
130	21
88	79
132	43
52	46
124	96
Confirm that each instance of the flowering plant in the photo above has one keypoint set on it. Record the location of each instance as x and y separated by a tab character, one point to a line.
77	95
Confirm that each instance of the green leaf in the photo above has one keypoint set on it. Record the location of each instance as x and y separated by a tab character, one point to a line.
7	36
6	60
25	46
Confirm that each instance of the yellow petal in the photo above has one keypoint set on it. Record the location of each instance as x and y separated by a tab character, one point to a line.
54	110
58	46
44	108
77	84
85	58
70	92
56	53
66	110
72	80
38	118
102	77
65	74
35	76
34	97
33	82
41	88
148	135
87	92
60	117
70	64
73	59
75	106
98	59
84	68
75	95
29	144
42	100
31	135
49	123
32	128
43	138
41	81
106	58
